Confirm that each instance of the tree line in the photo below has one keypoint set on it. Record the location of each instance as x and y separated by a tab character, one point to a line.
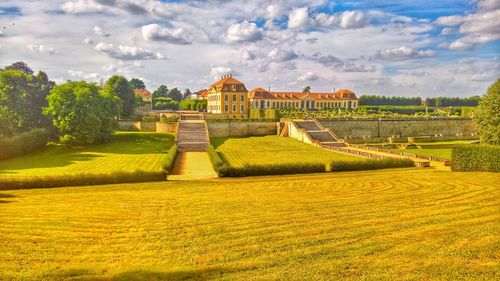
375	100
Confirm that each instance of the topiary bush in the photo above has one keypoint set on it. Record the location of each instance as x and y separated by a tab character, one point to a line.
370	164
475	158
219	166
23	143
169	163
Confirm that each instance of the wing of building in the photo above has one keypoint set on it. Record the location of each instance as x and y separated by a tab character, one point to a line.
147	98
230	96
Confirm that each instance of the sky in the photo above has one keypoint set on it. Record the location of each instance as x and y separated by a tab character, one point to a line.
395	48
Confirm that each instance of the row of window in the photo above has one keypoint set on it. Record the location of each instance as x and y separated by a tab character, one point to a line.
297	104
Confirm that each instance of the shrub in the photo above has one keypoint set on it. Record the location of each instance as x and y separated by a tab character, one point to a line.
169	163
370	164
82	179
164	119
475	158
23	143
274	169
219	166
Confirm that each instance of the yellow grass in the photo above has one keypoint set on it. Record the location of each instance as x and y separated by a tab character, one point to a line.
400	224
274	150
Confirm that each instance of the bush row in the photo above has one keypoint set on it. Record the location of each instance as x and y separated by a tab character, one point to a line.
475	158
219	166
23	143
370	164
171	154
81	179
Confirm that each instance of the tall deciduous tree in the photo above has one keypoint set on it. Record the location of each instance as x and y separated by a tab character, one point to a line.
137	83
187	94
22	97
21	66
175	94
81	113
307	89
161	92
119	86
488	115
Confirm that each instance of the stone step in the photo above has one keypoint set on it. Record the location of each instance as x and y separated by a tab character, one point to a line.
322	136
191	117
308	125
192	146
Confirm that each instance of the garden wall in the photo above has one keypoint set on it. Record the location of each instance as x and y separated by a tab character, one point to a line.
170	127
359	128
241	129
141	126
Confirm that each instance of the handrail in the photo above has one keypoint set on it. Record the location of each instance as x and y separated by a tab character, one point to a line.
401	153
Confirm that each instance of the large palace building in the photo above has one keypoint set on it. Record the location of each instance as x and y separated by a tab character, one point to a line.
230	96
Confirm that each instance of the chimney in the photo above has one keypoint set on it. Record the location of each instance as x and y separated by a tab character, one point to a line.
269	88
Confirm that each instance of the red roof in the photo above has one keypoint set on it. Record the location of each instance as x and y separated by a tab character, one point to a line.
145	94
259	93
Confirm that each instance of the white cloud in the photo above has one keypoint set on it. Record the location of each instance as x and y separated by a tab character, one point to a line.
274	11
449	20
247	55
100	32
88	41
403	53
42	49
488	5
308	76
323	19
81	6
298	18
154	32
218	71
127	52
85	76
352	19
341	65
243	32
282	55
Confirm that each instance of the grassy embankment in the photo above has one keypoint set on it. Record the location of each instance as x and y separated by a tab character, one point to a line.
437	149
130	157
251	156
405	224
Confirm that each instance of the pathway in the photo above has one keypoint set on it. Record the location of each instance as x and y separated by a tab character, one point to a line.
192	162
192	166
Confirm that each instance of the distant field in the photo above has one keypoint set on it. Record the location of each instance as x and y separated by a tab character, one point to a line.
274	150
129	152
402	224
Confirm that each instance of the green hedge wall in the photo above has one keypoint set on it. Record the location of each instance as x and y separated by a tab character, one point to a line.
23	143
475	158
172	153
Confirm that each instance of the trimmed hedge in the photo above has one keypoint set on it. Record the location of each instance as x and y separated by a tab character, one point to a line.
274	169
370	164
219	166
475	158
82	179
172	153
23	143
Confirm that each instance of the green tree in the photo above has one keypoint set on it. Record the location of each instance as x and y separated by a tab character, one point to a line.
22	97
119	86
21	66
186	94
488	115
82	114
137	83
175	94
307	89
162	91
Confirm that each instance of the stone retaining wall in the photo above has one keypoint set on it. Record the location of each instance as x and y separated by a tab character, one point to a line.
241	129
355	128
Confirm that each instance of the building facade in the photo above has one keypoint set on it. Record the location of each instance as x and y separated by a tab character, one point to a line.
147	98
230	96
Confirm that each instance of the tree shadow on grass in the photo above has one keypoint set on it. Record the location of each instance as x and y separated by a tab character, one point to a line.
212	273
5	195
46	160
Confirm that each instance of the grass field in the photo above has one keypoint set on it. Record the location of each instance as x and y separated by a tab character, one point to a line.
127	153
274	150
400	224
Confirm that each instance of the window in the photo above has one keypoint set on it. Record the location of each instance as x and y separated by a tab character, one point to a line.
226	108
226	98
234	88
234	108
234	98
242	108
268	104
242	98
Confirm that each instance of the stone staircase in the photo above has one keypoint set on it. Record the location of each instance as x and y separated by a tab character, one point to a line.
319	134
192	134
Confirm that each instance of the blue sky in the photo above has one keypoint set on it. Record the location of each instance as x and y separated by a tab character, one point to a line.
406	48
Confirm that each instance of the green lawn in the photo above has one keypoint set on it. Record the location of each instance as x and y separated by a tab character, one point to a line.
129	152
400	224
274	150
444	153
